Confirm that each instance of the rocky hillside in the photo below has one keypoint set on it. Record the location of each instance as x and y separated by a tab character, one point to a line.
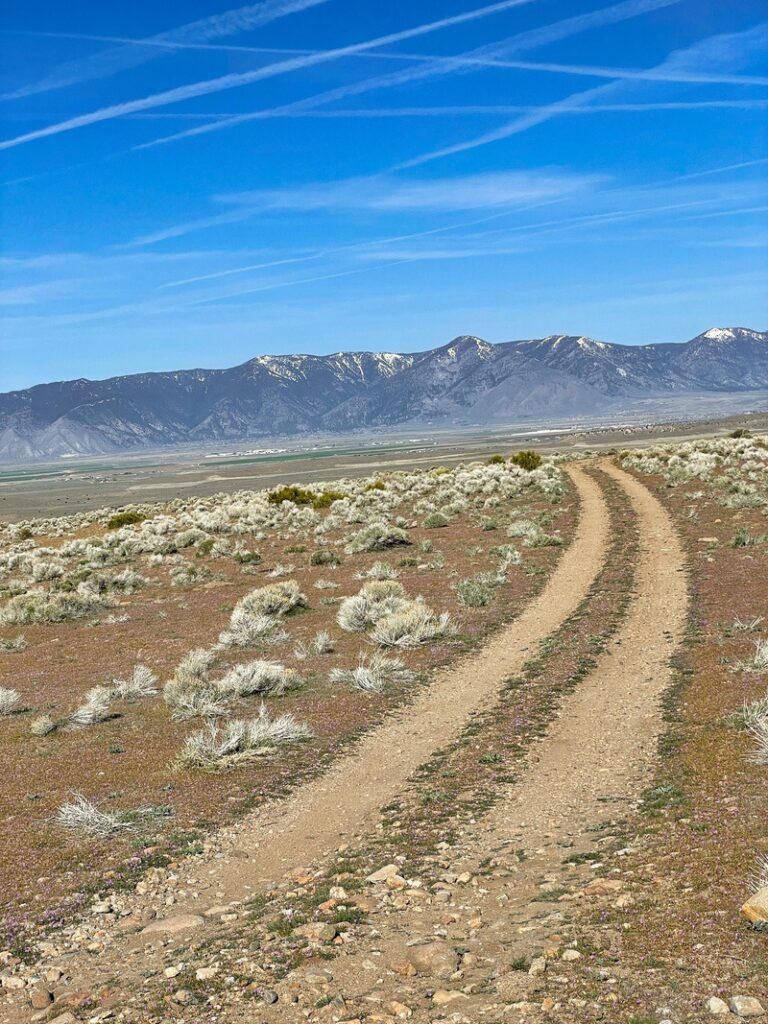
468	381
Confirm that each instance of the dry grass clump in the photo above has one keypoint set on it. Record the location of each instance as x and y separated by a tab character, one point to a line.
321	643
39	607
374	672
249	630
379	571
18	643
142	682
375	600
474	592
80	815
267	678
412	626
96	707
376	537
9	699
274	599
215	747
190	693
45	724
759	660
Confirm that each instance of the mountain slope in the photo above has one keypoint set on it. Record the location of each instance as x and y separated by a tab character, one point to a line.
468	381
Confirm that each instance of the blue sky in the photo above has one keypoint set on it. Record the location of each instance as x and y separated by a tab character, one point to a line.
193	183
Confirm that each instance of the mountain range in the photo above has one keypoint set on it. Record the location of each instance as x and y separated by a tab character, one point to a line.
466	382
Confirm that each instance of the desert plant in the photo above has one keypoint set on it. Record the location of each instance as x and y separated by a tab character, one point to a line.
376	599
495	460
379	571
474	592
274	599
215	747
127	518
412	626
436	521
759	660
324	557
248	630
267	678
373	673
142	682
39	607
44	725
527	459
18	643
321	643
8	700
94	709
80	815
376	537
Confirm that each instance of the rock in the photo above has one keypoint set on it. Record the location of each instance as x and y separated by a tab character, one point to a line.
756	907
538	966
268	997
435	959
396	882
442	997
40	998
206	973
403	968
746	1006
182	996
12	981
216	911
172	925
317	931
570	955
388	871
716	1006
399	1010
52	975
603	887
64	1018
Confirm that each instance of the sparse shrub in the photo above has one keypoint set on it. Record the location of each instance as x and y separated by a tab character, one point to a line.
238	741
274	599
326	498
474	592
412	626
759	661
495	460
142	682
379	571
436	521
527	459
243	556
80	815
321	643
376	599
376	537
94	709
195	665
324	557
267	678
8	700
248	630
44	725
373	673
281	570
39	607
375	485
325	584
18	643
127	518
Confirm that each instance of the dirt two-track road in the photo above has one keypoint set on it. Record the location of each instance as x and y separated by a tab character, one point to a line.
596	754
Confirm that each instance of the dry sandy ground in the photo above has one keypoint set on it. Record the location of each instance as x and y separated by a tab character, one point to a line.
597	753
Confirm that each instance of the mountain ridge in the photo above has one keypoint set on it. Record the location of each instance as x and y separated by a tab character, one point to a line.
466	380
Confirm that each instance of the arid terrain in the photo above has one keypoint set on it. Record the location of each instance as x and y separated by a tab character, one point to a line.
478	742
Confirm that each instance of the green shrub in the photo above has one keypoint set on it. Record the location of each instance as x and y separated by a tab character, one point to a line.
376	485
324	557
526	459
495	460
435	521
127	518
326	498
292	493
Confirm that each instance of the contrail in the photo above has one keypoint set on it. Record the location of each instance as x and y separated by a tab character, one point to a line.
442	65
232	81
140	51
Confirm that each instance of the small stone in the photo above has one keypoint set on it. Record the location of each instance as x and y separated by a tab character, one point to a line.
64	1018
443	997
40	998
11	981
746	1006
171	925
269	997
206	973
399	1010
603	887
317	931
570	955
435	959
756	907
182	996
538	966
388	871
716	1006
52	975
